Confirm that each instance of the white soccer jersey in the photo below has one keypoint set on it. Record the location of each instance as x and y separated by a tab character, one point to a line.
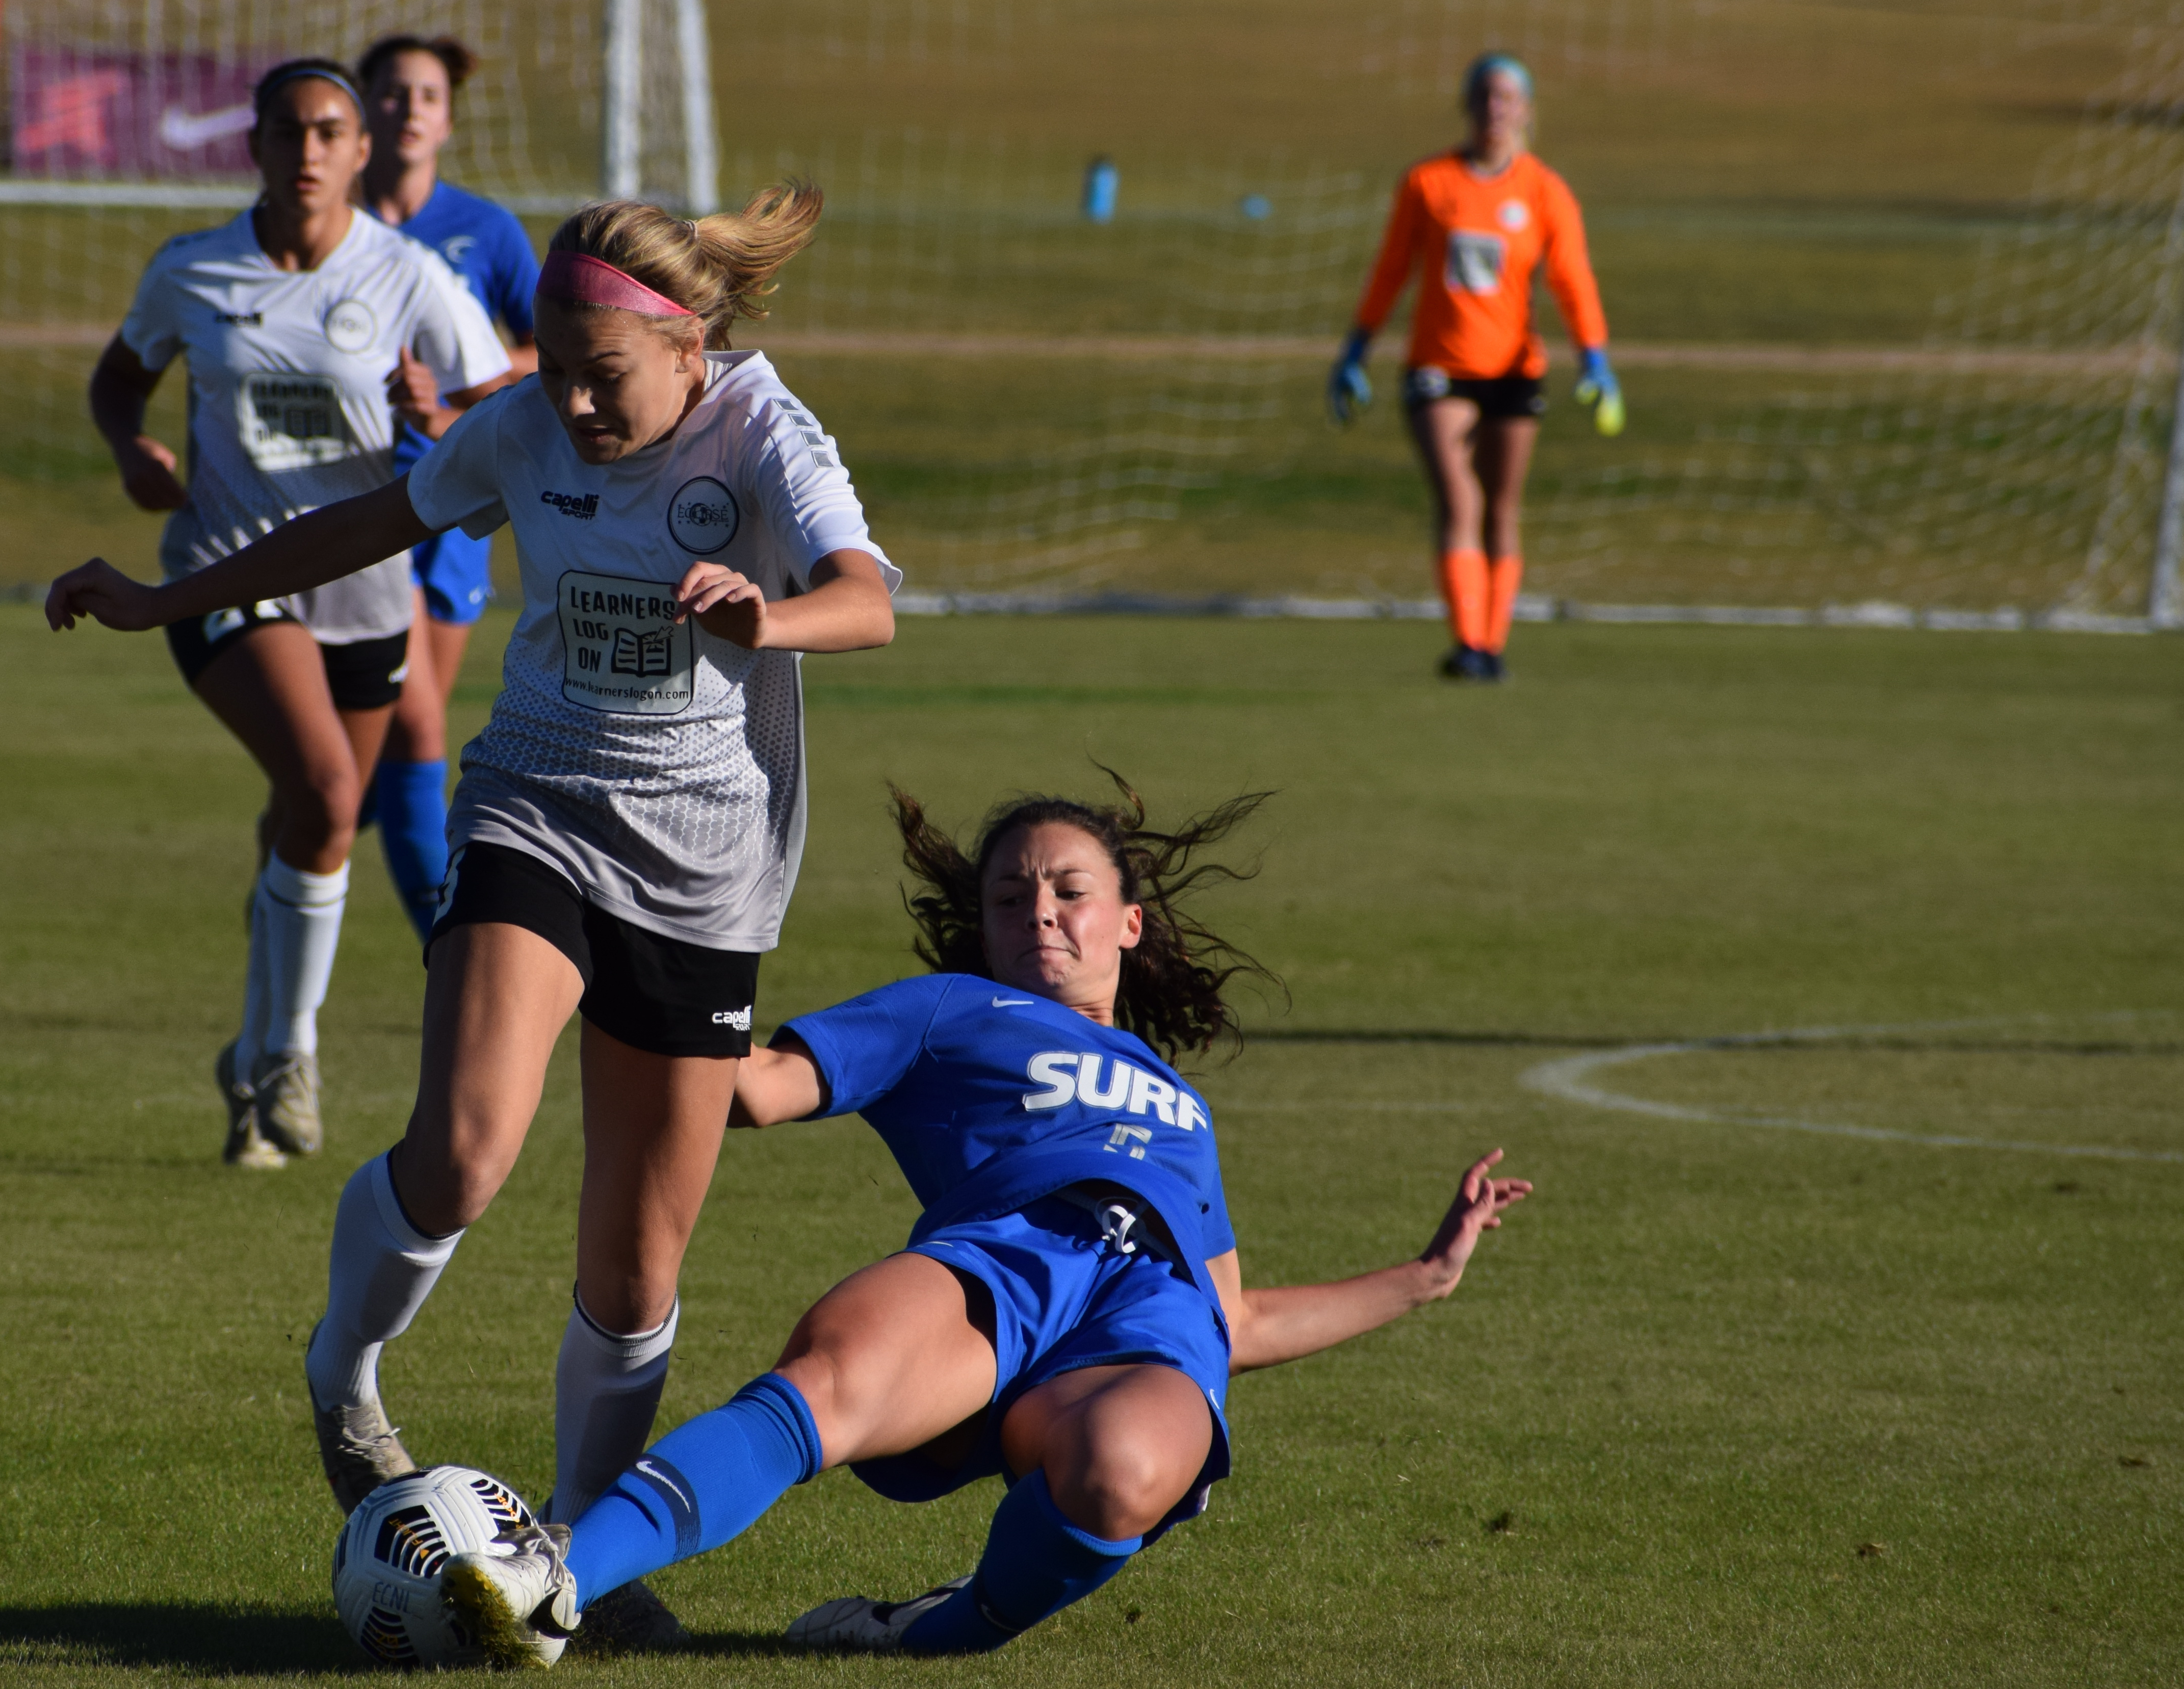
658	766
288	390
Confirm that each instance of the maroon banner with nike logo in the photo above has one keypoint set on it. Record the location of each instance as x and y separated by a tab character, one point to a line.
84	114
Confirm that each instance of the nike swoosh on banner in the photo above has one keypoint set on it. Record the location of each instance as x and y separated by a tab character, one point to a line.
183	130
659	1477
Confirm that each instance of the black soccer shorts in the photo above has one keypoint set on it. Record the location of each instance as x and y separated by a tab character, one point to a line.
364	675
664	995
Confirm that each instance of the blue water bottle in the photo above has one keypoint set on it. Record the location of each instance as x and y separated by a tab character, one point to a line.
1101	184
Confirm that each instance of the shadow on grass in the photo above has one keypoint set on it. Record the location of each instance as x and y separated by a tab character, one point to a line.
219	1640
223	1642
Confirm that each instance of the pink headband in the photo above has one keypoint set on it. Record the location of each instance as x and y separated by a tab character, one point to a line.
573	277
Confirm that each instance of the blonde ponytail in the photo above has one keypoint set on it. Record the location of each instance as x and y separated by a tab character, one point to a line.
719	266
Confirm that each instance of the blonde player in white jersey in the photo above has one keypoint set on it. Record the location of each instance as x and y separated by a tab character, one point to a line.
628	825
293	317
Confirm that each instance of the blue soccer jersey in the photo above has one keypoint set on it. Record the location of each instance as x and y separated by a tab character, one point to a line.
980	1091
485	246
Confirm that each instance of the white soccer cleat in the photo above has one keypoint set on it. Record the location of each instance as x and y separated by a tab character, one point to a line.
869	1626
246	1145
285	1086
515	1599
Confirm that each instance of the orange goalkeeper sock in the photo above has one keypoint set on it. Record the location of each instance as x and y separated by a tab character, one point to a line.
1463	590
1505	575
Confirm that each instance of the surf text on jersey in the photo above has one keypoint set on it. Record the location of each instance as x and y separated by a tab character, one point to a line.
1075	1076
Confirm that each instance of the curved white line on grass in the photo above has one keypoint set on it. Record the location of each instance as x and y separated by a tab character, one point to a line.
1569	1079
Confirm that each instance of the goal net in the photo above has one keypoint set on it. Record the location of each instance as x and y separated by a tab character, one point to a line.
1048	395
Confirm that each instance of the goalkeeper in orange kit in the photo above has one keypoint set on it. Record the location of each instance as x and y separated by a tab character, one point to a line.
1480	222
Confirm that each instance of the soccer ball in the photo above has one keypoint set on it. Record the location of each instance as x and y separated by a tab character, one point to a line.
389	1558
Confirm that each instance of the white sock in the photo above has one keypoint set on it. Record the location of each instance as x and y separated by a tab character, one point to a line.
606	1390
257	987
303	921
382	1269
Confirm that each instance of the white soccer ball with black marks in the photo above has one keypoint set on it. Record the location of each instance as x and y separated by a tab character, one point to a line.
389	1558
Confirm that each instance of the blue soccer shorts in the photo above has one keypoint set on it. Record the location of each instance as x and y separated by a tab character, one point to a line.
1065	1297
456	572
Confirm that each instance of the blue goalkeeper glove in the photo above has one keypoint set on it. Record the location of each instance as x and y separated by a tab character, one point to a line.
1596	387
1348	391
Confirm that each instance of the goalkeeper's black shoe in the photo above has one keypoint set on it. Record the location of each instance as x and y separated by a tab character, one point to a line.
1467	662
1494	670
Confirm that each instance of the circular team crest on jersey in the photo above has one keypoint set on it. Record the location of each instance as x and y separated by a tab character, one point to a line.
1514	215
351	326
703	517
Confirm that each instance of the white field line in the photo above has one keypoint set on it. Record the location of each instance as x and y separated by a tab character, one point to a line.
1568	1078
1259	347
1631	354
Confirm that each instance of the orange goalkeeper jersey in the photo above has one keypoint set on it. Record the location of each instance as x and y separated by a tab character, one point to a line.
1479	241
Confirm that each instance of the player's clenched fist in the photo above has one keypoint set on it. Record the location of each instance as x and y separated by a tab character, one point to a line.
413	392
147	474
103	594
726	604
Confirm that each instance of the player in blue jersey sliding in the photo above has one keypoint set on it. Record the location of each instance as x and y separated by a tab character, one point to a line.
409	86
1069	1308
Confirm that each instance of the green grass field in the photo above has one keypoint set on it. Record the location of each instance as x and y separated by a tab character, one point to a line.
1726	1403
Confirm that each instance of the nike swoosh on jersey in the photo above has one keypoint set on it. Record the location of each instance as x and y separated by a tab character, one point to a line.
1012	1002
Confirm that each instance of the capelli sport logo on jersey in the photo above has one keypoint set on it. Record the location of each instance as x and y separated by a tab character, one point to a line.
736	1020
1099	1081
583	506
703	517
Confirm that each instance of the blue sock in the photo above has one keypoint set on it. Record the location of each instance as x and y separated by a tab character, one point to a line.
413	826
698	1486
1036	1563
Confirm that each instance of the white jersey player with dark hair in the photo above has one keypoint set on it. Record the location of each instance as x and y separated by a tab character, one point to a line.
292	318
627	827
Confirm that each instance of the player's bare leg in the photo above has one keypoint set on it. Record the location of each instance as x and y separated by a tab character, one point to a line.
1119	1445
1106	1454
268	689
1446	430
1503	457
450	641
496	998
652	1134
899	1353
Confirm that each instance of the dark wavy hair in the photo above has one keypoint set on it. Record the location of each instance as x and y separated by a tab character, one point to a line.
1173	987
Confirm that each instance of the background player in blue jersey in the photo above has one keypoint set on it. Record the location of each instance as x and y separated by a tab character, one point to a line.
1069	1308
409	87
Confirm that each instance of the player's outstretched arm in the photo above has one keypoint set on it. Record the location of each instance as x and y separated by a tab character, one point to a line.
317	547
1284	1323
777	1084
